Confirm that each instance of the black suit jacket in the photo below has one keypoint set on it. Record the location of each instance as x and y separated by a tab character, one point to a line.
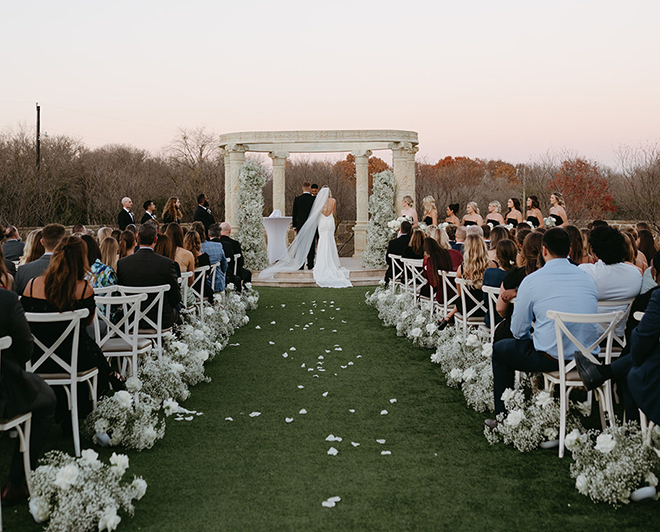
146	217
204	216
124	218
13	249
396	246
146	268
30	271
17	387
302	205
228	248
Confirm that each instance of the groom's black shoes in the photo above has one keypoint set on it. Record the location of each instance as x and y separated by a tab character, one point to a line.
590	373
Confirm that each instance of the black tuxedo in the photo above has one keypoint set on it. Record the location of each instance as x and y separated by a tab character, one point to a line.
302	206
146	217
29	271
228	248
396	246
242	273
125	218
147	268
204	215
13	249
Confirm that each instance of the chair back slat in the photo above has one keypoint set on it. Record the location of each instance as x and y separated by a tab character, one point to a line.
448	287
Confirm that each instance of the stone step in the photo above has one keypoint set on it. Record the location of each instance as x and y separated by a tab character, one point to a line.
307	283
358	276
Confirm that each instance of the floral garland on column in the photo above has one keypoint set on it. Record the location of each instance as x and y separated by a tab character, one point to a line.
251	181
381	210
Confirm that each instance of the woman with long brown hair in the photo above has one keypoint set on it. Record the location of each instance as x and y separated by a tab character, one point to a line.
6	278
64	287
172	211
415	248
192	243
126	244
435	258
184	258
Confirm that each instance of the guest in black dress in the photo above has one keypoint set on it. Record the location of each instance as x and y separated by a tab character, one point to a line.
514	214
415	248
494	216
534	214
472	217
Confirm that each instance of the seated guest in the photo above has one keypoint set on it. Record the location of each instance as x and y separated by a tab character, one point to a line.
415	248
442	238
244	274
21	392
34	248
61	288
615	279
435	258
529	262
475	262
577	255
12	247
642	300
104	233
497	233
632	254
6	278
559	286
50	238
396	246
165	248
126	244
116	234
146	268
110	254
192	243
506	253
100	274
79	230
215	250
637	374
182	256
461	233
451	233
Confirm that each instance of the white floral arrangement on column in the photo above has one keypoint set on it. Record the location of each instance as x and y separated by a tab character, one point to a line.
381	211
251	181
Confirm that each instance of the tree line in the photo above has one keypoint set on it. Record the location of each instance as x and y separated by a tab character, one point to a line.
76	184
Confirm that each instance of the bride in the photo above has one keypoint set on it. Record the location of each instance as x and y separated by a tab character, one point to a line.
327	270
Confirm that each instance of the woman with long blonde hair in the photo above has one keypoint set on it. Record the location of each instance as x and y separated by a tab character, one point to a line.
430	216
472	217
172	211
408	209
33	247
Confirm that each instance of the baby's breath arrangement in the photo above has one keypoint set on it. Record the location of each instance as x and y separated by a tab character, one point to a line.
250	202
82	494
610	465
381	211
163	379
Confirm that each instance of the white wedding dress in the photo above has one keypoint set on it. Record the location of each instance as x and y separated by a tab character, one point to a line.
327	271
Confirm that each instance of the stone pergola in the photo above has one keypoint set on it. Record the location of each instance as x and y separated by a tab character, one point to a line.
361	143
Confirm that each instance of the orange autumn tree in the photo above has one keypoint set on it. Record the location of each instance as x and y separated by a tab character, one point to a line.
346	168
586	192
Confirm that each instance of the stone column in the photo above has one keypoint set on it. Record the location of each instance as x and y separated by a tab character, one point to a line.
236	160
361	200
403	163
228	202
279	165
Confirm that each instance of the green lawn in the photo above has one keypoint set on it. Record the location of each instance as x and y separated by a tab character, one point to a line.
262	473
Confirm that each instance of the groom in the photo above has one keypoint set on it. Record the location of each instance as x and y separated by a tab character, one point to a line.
302	205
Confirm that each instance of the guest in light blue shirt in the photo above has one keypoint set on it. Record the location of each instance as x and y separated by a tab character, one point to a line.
216	254
560	286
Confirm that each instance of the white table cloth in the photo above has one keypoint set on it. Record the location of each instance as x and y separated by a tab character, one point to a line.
276	229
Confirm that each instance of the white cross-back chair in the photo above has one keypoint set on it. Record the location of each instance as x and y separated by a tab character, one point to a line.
397	272
121	340
69	377
413	275
620	340
469	317
647	427
449	292
200	281
493	293
154	328
213	273
567	376
22	424
236	257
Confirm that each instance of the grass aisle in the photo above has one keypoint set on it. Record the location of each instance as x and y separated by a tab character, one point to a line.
262	473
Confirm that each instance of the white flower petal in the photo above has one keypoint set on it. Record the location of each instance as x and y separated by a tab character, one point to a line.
300	386
285	355
351	410
392	401
355	444
325	394
381	441
271	343
255	414
302	411
383	412
328	504
288	419
333	452
258	327
386	453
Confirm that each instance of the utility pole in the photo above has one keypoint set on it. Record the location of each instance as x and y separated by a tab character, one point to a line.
38	136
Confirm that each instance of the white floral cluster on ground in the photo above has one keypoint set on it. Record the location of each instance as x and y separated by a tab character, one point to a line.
381	211
250	200
80	494
532	416
135	418
466	362
608	466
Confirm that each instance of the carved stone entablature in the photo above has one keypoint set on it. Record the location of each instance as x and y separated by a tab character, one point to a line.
278	154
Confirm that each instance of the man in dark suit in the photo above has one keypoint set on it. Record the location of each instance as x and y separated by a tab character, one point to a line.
21	392
149	209
125	216
50	237
397	246
203	214
12	249
302	206
147	268
243	275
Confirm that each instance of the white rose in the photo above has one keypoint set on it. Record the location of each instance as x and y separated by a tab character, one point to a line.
581	484
605	443
225	319
472	340
66	476
572	439
420	319
584	408
456	374
101	426
487	350
248	286
199	334
543	399
170	406
133	384
550	433
139	486
514	418
404	314
203	355
89	455
178	368
507	395
469	374
416	332
120	462
382	296
109	519
123	398
651	479
180	347
431	328
39	509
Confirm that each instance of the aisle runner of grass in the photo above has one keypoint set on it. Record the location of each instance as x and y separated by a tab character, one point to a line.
265	473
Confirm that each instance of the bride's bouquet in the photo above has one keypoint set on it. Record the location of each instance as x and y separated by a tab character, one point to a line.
395	225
